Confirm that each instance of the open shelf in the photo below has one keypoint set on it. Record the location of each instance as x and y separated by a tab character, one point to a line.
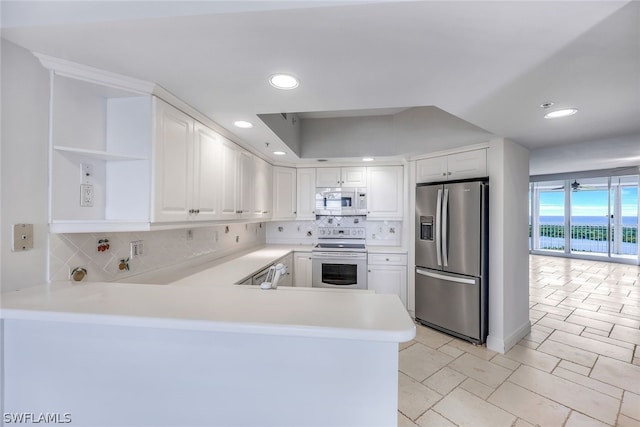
96	154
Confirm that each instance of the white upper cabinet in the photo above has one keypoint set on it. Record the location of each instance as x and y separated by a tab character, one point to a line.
100	156
229	181
173	155
341	177
263	178
385	192
468	164
187	156
306	193
207	147
246	185
284	193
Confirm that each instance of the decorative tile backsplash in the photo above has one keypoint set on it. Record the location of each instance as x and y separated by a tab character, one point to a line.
159	249
387	233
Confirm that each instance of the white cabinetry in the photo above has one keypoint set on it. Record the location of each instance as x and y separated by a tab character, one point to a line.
468	164
385	192
341	177
263	176
237	183
284	193
287	279
306	193
187	157
100	157
302	269
388	274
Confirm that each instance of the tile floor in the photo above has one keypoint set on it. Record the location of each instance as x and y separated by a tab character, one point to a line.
580	366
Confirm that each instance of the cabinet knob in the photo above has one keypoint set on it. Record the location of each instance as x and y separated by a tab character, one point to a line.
197	211
369	271
448	173
444	174
295	212
386	259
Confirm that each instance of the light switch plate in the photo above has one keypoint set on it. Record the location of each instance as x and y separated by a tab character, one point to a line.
22	237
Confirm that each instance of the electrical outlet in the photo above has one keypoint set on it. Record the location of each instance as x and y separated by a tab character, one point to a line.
86	195
135	249
189	234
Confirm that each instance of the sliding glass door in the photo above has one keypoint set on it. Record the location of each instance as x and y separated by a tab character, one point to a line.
585	217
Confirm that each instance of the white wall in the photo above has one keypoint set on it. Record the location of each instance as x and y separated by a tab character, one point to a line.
508	247
591	155
24	153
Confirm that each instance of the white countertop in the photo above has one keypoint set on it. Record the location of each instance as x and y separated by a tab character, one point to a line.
235	269
304	312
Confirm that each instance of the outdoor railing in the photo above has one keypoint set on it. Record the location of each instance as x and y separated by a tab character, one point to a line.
588	238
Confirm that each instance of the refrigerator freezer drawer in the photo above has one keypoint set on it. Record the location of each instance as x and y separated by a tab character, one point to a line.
449	302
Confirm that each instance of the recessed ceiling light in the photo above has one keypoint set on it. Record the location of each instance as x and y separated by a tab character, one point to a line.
283	81
561	113
242	124
367	159
279	153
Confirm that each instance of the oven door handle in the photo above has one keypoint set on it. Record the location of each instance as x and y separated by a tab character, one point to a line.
337	255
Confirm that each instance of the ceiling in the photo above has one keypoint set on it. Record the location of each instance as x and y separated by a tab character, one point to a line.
487	64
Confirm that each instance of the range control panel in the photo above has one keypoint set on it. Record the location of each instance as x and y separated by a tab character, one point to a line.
342	233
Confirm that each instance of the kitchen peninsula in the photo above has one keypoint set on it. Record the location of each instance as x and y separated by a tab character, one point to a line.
138	354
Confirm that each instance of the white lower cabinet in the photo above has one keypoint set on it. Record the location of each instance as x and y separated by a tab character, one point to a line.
287	279
387	274
302	269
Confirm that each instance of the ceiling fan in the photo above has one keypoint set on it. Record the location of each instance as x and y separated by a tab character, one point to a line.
575	186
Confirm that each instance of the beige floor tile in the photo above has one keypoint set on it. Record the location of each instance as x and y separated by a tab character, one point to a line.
609	340
591	383
444	380
582	399
505	362
576	419
414	398
467	410
476	387
617	373
403	421
529	406
631	405
451	350
522	423
480	370
624	421
562	312
404	345
420	361
537	335
529	344
560	325
433	419
574	367
480	351
590	323
592	345
594	331
532	357
566	352
431	337
623	333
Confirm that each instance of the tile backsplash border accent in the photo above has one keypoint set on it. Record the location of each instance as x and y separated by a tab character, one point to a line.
161	249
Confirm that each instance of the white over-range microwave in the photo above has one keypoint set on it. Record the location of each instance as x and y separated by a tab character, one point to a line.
341	201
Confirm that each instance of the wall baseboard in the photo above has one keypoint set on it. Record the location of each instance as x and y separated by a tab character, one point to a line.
504	345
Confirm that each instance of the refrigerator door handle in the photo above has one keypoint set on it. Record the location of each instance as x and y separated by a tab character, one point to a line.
445	228
444	277
438	228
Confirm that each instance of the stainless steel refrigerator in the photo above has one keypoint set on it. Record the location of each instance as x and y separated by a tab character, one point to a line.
452	224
